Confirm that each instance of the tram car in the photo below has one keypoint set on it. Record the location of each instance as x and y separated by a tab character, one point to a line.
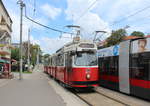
126	67
75	65
46	65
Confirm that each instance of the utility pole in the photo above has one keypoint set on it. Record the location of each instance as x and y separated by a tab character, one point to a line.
21	16
28	49
37	61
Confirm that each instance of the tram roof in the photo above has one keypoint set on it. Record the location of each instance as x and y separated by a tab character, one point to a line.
71	46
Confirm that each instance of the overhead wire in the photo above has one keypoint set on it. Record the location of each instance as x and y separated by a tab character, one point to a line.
131	15
45	26
60	31
116	22
134	22
34	10
86	10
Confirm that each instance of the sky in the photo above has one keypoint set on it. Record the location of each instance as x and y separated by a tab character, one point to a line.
91	15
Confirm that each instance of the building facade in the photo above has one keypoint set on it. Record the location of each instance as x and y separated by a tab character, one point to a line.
5	38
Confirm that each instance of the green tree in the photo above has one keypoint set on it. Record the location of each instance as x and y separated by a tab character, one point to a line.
116	37
15	54
34	51
46	59
46	55
137	33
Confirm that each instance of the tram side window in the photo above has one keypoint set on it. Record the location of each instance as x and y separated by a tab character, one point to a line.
60	60
53	61
104	65
140	66
101	65
68	60
113	66
109	65
65	59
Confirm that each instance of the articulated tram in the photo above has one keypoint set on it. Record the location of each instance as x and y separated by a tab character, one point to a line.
75	64
126	67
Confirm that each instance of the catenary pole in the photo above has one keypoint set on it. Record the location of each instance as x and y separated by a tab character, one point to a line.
28	49
21	19
37	61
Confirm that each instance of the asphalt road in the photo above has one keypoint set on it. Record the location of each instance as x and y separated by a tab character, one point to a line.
33	90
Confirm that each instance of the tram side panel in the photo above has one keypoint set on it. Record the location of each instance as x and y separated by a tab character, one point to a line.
48	70
140	68
108	63
51	71
60	73
68	69
132	74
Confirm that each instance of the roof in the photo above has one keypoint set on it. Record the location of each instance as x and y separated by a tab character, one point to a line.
130	37
4	53
2	32
148	36
6	10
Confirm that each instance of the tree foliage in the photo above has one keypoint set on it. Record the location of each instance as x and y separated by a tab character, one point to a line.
46	55
137	33
46	58
15	54
116	37
33	53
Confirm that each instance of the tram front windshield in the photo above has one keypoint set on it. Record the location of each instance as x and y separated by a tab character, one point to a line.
86	59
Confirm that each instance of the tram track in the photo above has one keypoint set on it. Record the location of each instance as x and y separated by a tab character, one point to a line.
113	99
88	96
88	103
96	98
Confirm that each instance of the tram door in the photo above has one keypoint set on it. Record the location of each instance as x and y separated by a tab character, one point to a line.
124	85
68	65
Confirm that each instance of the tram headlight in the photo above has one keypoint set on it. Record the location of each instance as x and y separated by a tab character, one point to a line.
88	76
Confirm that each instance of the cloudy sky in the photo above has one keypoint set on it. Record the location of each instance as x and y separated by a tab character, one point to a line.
91	15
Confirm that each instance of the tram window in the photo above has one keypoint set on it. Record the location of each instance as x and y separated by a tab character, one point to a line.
65	59
114	65
104	65
60	60
68	60
140	66
85	59
109	65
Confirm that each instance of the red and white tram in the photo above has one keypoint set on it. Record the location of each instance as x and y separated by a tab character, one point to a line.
75	64
126	67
